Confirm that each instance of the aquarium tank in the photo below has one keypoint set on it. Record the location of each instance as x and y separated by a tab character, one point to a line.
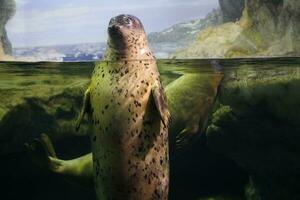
162	99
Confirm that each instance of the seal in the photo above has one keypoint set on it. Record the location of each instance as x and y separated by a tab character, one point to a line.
128	108
190	100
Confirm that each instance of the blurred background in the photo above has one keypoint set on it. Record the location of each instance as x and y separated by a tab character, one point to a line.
76	30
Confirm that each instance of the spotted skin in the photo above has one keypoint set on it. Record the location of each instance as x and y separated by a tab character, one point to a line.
128	109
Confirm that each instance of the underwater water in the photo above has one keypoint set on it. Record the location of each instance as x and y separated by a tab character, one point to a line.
250	149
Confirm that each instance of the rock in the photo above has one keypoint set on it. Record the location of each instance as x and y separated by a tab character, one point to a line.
184	33
181	35
7	10
214	42
231	9
34	101
266	28
256	123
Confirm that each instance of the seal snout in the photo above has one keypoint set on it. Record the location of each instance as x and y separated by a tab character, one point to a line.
114	29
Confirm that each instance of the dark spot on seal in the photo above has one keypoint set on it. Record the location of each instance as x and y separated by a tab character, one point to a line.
136	103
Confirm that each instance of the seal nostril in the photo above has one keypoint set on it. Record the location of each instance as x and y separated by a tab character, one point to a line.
113	28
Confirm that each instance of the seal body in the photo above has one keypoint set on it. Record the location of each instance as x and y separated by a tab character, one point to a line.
130	143
128	109
190	98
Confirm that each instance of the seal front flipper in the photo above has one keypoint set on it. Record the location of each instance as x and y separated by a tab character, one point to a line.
86	107
42	152
160	100
48	145
182	139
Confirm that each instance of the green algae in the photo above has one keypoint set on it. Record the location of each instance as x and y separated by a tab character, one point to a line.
256	123
254	120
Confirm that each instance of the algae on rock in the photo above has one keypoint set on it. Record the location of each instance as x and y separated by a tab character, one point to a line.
256	123
266	28
42	98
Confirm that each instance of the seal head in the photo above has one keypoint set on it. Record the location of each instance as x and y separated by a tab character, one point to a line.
127	39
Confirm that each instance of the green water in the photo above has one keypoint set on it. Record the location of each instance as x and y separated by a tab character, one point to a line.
253	129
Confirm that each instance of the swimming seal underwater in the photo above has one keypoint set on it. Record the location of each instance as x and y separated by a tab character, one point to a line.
197	91
191	92
127	106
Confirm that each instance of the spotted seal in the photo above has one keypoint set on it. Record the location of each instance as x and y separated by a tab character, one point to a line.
190	100
127	106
